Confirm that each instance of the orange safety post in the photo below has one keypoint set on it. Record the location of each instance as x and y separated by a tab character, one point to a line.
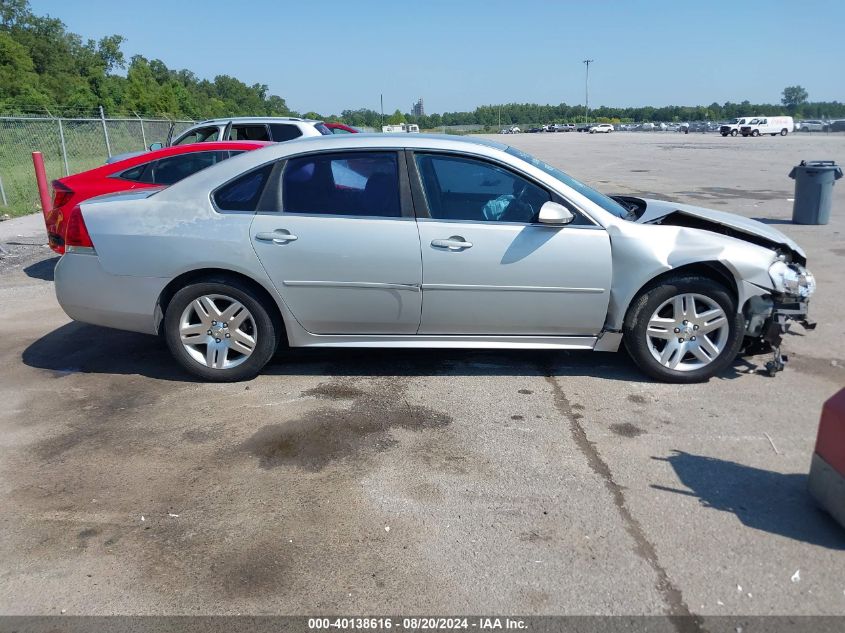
41	178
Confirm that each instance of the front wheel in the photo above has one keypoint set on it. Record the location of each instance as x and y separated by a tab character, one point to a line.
784	132
733	132
219	330
755	133
684	330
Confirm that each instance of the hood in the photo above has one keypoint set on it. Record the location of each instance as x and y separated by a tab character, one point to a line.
661	212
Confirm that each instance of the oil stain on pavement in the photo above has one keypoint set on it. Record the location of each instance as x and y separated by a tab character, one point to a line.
326	435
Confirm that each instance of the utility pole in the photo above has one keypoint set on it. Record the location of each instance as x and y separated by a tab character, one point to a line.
381	97
587	90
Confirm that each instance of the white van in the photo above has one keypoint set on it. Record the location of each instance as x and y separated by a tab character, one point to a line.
732	126
402	128
773	125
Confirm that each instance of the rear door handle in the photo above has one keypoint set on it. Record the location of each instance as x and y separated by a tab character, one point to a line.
454	243
279	236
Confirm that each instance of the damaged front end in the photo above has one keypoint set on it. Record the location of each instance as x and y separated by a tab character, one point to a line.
773	285
769	317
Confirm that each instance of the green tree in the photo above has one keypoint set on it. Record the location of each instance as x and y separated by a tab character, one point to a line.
794	96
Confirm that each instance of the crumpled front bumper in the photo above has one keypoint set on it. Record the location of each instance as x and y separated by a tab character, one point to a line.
768	319
783	313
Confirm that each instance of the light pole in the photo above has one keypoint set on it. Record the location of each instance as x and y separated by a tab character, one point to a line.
587	90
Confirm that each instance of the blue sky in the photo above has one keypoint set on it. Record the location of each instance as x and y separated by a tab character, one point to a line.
328	56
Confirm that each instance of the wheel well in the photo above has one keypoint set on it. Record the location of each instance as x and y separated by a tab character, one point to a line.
716	271
218	274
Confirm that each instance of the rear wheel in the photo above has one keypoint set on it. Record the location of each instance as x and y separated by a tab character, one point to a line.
219	331
684	330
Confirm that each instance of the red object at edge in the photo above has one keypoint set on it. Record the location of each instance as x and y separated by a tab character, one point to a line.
830	442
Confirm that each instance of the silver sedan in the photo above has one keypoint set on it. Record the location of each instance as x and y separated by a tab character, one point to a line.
425	241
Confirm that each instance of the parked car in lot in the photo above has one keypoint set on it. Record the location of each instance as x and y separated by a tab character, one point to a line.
601	128
562	127
341	128
812	126
154	169
772	125
276	129
584	127
423	241
837	125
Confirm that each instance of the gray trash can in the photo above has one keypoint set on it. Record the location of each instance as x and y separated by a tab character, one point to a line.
813	190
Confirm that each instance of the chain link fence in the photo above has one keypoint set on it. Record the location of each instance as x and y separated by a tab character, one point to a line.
69	145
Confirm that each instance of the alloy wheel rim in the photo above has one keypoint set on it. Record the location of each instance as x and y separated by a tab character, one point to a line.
218	331
687	332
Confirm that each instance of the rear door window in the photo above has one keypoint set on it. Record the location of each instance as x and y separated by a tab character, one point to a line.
348	183
249	133
284	132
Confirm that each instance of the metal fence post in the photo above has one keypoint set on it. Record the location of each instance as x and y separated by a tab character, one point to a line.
105	131
3	193
143	134
64	147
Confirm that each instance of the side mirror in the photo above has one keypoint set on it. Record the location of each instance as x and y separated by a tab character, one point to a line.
156	146
554	213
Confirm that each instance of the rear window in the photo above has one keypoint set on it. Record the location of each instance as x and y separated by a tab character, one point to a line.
243	193
322	129
249	133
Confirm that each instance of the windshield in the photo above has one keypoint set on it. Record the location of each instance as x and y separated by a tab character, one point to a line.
608	204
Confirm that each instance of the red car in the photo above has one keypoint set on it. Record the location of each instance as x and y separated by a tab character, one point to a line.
340	128
158	168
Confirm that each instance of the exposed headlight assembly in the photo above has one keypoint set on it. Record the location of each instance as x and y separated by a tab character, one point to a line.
792	279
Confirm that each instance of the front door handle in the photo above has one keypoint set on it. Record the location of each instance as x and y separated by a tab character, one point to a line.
279	236
454	243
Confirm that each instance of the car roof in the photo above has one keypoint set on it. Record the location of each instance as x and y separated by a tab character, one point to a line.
256	119
174	150
213	176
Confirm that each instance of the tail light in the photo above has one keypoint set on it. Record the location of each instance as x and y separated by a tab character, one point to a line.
76	233
61	194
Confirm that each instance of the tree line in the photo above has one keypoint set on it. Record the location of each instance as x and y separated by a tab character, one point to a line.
44	67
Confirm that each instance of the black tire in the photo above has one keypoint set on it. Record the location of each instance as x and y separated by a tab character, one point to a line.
724	133
784	132
755	132
266	331
734	132
650	299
